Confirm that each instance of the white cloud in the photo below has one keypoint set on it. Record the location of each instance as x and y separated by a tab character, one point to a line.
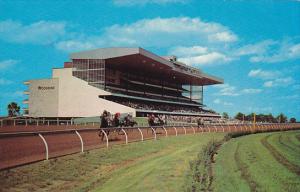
206	59
251	91
41	32
263	74
270	51
229	90
226	90
294	51
255	49
188	51
199	55
73	45
223	37
7	64
5	81
175	30
219	101
159	32
144	2
283	52
280	82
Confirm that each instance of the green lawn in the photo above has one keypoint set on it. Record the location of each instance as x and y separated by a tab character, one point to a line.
259	162
160	165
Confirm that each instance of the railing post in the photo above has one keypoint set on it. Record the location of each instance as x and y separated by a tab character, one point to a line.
165	131
235	127
26	123
46	145
193	129
201	129
81	141
222	127
154	132
125	135
106	137
14	122
175	130
142	136
184	130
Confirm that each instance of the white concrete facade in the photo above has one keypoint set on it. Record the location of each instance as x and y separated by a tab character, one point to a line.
67	96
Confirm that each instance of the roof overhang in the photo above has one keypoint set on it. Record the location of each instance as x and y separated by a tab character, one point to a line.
143	61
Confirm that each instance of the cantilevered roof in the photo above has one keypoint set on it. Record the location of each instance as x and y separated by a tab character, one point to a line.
141	59
113	52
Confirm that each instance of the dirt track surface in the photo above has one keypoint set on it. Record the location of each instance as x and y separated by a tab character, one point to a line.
22	149
41	128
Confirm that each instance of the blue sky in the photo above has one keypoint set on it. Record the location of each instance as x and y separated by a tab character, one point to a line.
253	45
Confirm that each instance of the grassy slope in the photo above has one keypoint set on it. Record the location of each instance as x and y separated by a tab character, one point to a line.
149	166
245	164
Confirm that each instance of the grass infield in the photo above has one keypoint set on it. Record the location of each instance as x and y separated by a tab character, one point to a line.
259	162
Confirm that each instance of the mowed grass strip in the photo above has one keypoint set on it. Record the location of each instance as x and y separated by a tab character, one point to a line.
286	145
142	166
244	164
281	158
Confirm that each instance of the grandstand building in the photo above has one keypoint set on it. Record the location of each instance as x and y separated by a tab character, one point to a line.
125	80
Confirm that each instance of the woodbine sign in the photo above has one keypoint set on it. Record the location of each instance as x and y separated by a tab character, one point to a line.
46	87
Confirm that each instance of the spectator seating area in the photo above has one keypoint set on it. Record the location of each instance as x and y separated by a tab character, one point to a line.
148	106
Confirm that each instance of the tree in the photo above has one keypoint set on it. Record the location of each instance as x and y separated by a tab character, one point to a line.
250	117
13	109
293	120
270	118
239	116
225	115
281	118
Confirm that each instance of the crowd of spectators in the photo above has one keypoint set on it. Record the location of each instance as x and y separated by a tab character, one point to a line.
162	107
191	119
155	119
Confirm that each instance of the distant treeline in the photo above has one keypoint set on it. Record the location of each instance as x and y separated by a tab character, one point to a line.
281	118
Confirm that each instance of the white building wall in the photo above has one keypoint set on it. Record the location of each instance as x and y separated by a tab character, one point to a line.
78	99
43	98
